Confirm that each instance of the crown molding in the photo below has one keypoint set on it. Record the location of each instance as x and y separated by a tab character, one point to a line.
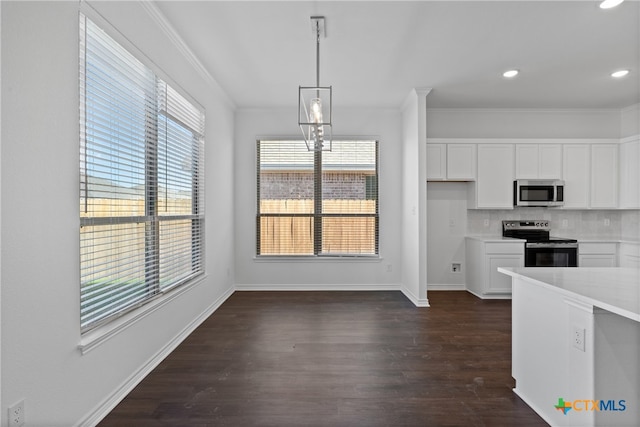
175	38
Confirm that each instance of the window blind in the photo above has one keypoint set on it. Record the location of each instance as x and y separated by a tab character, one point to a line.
141	181
317	203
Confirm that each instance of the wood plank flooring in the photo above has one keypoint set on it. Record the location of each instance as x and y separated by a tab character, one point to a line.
337	359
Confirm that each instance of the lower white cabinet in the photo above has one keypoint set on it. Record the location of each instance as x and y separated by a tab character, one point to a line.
484	258
597	254
630	255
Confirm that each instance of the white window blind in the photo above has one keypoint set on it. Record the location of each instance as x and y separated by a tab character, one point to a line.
317	203
141	181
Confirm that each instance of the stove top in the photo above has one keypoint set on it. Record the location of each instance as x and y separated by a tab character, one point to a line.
534	231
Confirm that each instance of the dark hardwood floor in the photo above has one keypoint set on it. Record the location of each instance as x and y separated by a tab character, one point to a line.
337	359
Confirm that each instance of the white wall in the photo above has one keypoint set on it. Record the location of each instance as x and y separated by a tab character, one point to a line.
381	124
414	197
630	125
522	123
447	227
40	221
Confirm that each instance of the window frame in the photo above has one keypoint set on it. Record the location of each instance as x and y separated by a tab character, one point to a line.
317	215
165	103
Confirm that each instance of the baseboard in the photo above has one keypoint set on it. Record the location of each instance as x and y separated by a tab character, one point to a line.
445	287
489	296
107	405
418	302
318	287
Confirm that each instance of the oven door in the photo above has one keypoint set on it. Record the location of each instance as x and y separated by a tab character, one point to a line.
550	255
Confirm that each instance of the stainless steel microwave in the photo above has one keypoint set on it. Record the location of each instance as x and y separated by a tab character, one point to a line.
538	192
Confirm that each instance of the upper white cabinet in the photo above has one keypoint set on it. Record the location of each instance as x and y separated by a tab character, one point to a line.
576	164
453	162
538	161
604	176
493	188
461	162
436	161
630	174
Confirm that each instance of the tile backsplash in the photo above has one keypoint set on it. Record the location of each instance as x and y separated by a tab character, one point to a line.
578	224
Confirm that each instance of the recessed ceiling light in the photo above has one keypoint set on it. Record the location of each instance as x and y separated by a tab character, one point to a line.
510	73
620	73
608	4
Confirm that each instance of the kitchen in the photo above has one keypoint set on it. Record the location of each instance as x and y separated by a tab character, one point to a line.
591	151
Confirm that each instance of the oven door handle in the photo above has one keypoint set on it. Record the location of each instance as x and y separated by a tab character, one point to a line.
552	246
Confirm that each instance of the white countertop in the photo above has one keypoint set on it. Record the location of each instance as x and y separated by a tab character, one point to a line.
613	289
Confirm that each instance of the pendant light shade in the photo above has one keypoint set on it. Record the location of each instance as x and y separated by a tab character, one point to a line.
315	103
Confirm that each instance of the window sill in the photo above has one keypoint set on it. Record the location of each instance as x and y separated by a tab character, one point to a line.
96	337
318	259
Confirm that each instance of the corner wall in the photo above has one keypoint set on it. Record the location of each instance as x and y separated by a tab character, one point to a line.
40	256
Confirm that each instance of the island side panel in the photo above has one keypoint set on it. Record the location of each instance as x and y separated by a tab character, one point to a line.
542	353
617	373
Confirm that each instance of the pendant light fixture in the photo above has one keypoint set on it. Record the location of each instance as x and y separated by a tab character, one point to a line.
314	102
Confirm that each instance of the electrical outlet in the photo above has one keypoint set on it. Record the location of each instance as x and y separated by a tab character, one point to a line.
16	414
565	223
607	222
486	222
578	337
389	268
455	267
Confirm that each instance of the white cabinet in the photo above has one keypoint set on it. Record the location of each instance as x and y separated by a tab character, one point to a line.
576	161
630	255
483	259
590	173
436	161
493	188
604	176
630	174
538	161
453	162
597	254
461	162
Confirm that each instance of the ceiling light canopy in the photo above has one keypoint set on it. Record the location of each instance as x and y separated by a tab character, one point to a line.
619	74
510	73
314	102
608	4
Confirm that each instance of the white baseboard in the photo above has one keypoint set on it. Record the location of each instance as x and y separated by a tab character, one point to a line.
318	287
107	405
445	287
418	302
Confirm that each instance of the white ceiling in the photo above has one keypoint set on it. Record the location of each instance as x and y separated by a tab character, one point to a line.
375	52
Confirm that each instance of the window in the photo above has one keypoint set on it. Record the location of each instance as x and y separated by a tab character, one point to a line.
317	203
141	182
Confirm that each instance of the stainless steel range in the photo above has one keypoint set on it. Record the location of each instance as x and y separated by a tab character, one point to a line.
541	250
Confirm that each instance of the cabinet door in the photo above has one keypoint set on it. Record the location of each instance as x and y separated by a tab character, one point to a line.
597	260
527	162
498	283
494	187
461	162
550	161
436	162
604	176
630	175
576	174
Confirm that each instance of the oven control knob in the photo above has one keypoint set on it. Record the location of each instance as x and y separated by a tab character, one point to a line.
546	224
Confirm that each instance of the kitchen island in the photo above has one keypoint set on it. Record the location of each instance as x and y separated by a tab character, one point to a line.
576	344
